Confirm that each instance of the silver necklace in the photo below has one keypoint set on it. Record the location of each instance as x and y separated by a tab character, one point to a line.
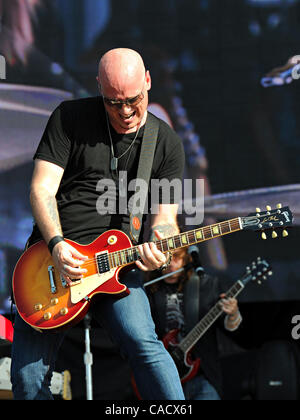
115	160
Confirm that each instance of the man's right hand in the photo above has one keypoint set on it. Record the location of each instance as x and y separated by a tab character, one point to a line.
68	261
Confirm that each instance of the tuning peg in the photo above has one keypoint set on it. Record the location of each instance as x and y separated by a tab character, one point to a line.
264	236
269	208
285	233
274	234
279	206
258	210
259	282
270	273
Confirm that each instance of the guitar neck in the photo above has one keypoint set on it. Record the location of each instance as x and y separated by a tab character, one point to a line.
181	240
198	331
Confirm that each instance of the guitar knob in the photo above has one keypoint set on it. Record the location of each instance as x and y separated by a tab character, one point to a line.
54	301
47	316
38	307
112	240
64	311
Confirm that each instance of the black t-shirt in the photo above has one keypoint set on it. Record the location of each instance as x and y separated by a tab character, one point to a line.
77	139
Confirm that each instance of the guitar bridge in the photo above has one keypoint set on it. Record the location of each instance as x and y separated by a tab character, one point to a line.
51	279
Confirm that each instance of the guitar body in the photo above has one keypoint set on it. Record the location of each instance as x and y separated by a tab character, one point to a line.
186	366
47	308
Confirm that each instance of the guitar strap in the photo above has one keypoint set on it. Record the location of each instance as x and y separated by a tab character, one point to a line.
144	172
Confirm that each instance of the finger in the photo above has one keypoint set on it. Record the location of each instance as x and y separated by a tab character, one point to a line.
158	255
78	255
158	234
141	266
73	272
141	262
69	281
70	261
66	278
148	256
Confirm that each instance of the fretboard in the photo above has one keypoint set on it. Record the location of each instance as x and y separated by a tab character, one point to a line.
130	255
197	332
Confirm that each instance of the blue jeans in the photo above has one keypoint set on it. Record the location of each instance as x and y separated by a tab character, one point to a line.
199	388
129	322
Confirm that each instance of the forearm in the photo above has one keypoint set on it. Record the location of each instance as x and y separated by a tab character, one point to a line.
166	229
45	213
165	222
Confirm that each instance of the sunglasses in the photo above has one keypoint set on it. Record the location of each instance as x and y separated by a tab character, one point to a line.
129	102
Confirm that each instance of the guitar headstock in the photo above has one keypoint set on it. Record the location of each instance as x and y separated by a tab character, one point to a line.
257	272
278	218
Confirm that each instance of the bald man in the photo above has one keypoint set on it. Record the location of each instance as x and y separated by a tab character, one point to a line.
85	142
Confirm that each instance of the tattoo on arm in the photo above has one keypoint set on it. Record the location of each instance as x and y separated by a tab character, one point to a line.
46	215
51	205
164	230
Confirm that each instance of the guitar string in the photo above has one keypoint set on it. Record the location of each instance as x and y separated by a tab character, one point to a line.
205	230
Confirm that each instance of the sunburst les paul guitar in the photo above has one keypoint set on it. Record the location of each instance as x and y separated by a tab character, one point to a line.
44	300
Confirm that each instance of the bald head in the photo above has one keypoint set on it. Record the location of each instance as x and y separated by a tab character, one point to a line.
123	80
121	68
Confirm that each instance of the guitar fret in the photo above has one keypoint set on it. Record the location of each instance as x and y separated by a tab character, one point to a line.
184	239
110	261
131	255
192	237
226	227
177	241
170	244
115	259
199	234
128	256
207	233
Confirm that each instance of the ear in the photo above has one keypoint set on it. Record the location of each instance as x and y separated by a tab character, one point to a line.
148	80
